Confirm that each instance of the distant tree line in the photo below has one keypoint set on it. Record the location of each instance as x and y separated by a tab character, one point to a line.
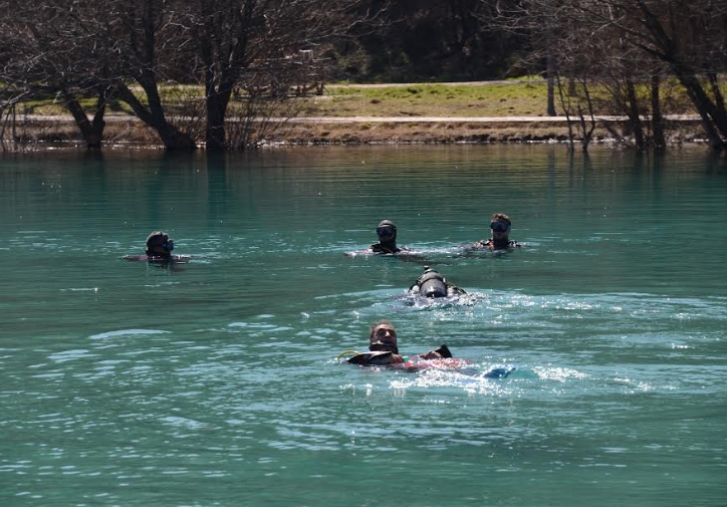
434	40
250	56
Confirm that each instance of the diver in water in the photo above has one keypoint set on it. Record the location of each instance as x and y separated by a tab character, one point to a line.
500	240
159	245
386	231
433	285
159	248
384	349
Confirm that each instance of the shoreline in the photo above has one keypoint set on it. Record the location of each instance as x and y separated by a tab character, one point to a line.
46	132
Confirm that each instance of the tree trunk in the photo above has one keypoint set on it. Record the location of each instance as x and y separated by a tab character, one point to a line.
715	125
587	131
657	120
170	135
714	117
91	131
145	47
215	134
717	93
566	110
551	82
633	113
222	68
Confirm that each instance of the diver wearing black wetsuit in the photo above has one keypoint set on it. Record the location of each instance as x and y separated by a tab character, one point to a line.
386	231
500	240
433	285
159	248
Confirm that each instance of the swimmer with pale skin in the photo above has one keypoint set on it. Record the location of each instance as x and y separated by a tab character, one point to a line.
500	226
384	348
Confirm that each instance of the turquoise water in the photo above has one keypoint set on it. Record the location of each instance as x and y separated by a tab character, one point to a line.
215	383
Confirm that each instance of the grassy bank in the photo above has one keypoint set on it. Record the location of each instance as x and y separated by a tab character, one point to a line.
523	97
519	106
514	98
522	101
501	98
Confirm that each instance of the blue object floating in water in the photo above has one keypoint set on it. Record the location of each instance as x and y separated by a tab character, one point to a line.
500	372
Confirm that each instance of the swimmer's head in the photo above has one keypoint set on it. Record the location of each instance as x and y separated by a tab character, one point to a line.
386	230
500	225
383	337
159	244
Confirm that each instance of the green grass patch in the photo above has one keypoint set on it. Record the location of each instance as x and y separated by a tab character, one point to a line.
482	99
499	99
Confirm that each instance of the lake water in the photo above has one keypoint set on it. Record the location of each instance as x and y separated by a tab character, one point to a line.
215	383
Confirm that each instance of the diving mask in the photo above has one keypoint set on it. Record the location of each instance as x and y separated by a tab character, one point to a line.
499	226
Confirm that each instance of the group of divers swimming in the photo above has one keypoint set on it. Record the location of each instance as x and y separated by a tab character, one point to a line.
383	343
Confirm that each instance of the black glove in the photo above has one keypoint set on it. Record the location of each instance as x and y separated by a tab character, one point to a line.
443	351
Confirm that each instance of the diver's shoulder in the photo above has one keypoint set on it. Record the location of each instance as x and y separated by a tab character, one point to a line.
483	244
158	258
489	244
381	249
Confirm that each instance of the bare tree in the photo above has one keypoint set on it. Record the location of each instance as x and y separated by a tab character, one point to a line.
689	38
241	41
101	49
569	52
46	47
10	140
144	40
135	51
629	46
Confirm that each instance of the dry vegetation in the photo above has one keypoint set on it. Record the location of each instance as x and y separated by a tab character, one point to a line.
446	132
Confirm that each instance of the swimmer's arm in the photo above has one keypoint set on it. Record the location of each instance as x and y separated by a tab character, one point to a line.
442	352
431	355
376	359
